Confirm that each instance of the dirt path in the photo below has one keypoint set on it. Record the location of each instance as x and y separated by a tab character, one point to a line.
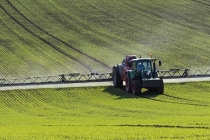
90	84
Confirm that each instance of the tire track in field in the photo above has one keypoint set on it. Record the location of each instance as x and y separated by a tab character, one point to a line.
110	15
61	41
174	97
140	10
201	2
114	17
165	101
108	36
143	125
182	17
200	11
159	17
44	40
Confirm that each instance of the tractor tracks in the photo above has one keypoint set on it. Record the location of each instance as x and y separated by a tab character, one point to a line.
179	98
176	100
159	17
203	3
53	37
110	15
42	39
142	125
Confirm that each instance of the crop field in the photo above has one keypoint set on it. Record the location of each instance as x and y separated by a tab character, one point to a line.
182	112
52	37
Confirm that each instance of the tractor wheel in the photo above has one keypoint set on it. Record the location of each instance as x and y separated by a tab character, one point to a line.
151	89
160	89
136	87
117	82
128	85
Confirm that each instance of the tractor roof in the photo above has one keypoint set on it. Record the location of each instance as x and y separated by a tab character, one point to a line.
151	59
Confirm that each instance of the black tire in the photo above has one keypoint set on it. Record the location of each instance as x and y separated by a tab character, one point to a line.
151	89
128	85
160	89
117	82
136	87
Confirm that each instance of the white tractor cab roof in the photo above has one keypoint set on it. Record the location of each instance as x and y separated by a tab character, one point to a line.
151	59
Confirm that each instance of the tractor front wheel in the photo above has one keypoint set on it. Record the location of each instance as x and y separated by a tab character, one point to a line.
160	89
136	87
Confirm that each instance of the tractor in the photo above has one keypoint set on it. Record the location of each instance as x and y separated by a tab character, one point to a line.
138	73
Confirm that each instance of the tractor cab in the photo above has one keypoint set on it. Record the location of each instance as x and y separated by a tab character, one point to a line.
145	67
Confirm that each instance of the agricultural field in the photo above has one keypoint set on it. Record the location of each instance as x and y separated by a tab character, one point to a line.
51	37
182	112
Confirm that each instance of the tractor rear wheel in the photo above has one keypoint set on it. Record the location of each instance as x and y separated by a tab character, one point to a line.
136	87
160	89
117	82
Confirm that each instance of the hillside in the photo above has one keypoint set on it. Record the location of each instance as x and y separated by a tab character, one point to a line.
182	112
52	37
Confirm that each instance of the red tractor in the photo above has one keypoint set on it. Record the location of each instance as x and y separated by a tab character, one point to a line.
138	73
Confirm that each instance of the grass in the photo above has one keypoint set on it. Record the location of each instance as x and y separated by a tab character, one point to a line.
52	37
106	113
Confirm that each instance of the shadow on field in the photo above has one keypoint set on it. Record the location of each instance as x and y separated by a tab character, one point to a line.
148	94
122	94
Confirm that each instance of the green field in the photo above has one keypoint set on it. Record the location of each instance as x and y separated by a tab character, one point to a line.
106	113
52	37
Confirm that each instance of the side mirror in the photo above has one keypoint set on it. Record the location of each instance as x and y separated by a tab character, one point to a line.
160	62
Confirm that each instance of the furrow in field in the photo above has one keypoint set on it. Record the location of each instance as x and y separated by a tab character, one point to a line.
102	33
63	42
124	21
198	11
166	126
185	99
143	125
32	103
13	102
54	101
169	17
174	102
159	16
187	19
175	40
29	99
110	15
207	3
24	55
45	41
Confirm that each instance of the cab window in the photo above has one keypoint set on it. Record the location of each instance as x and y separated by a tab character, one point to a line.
134	65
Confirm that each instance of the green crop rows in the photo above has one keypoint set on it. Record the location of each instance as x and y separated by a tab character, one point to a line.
52	37
106	113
